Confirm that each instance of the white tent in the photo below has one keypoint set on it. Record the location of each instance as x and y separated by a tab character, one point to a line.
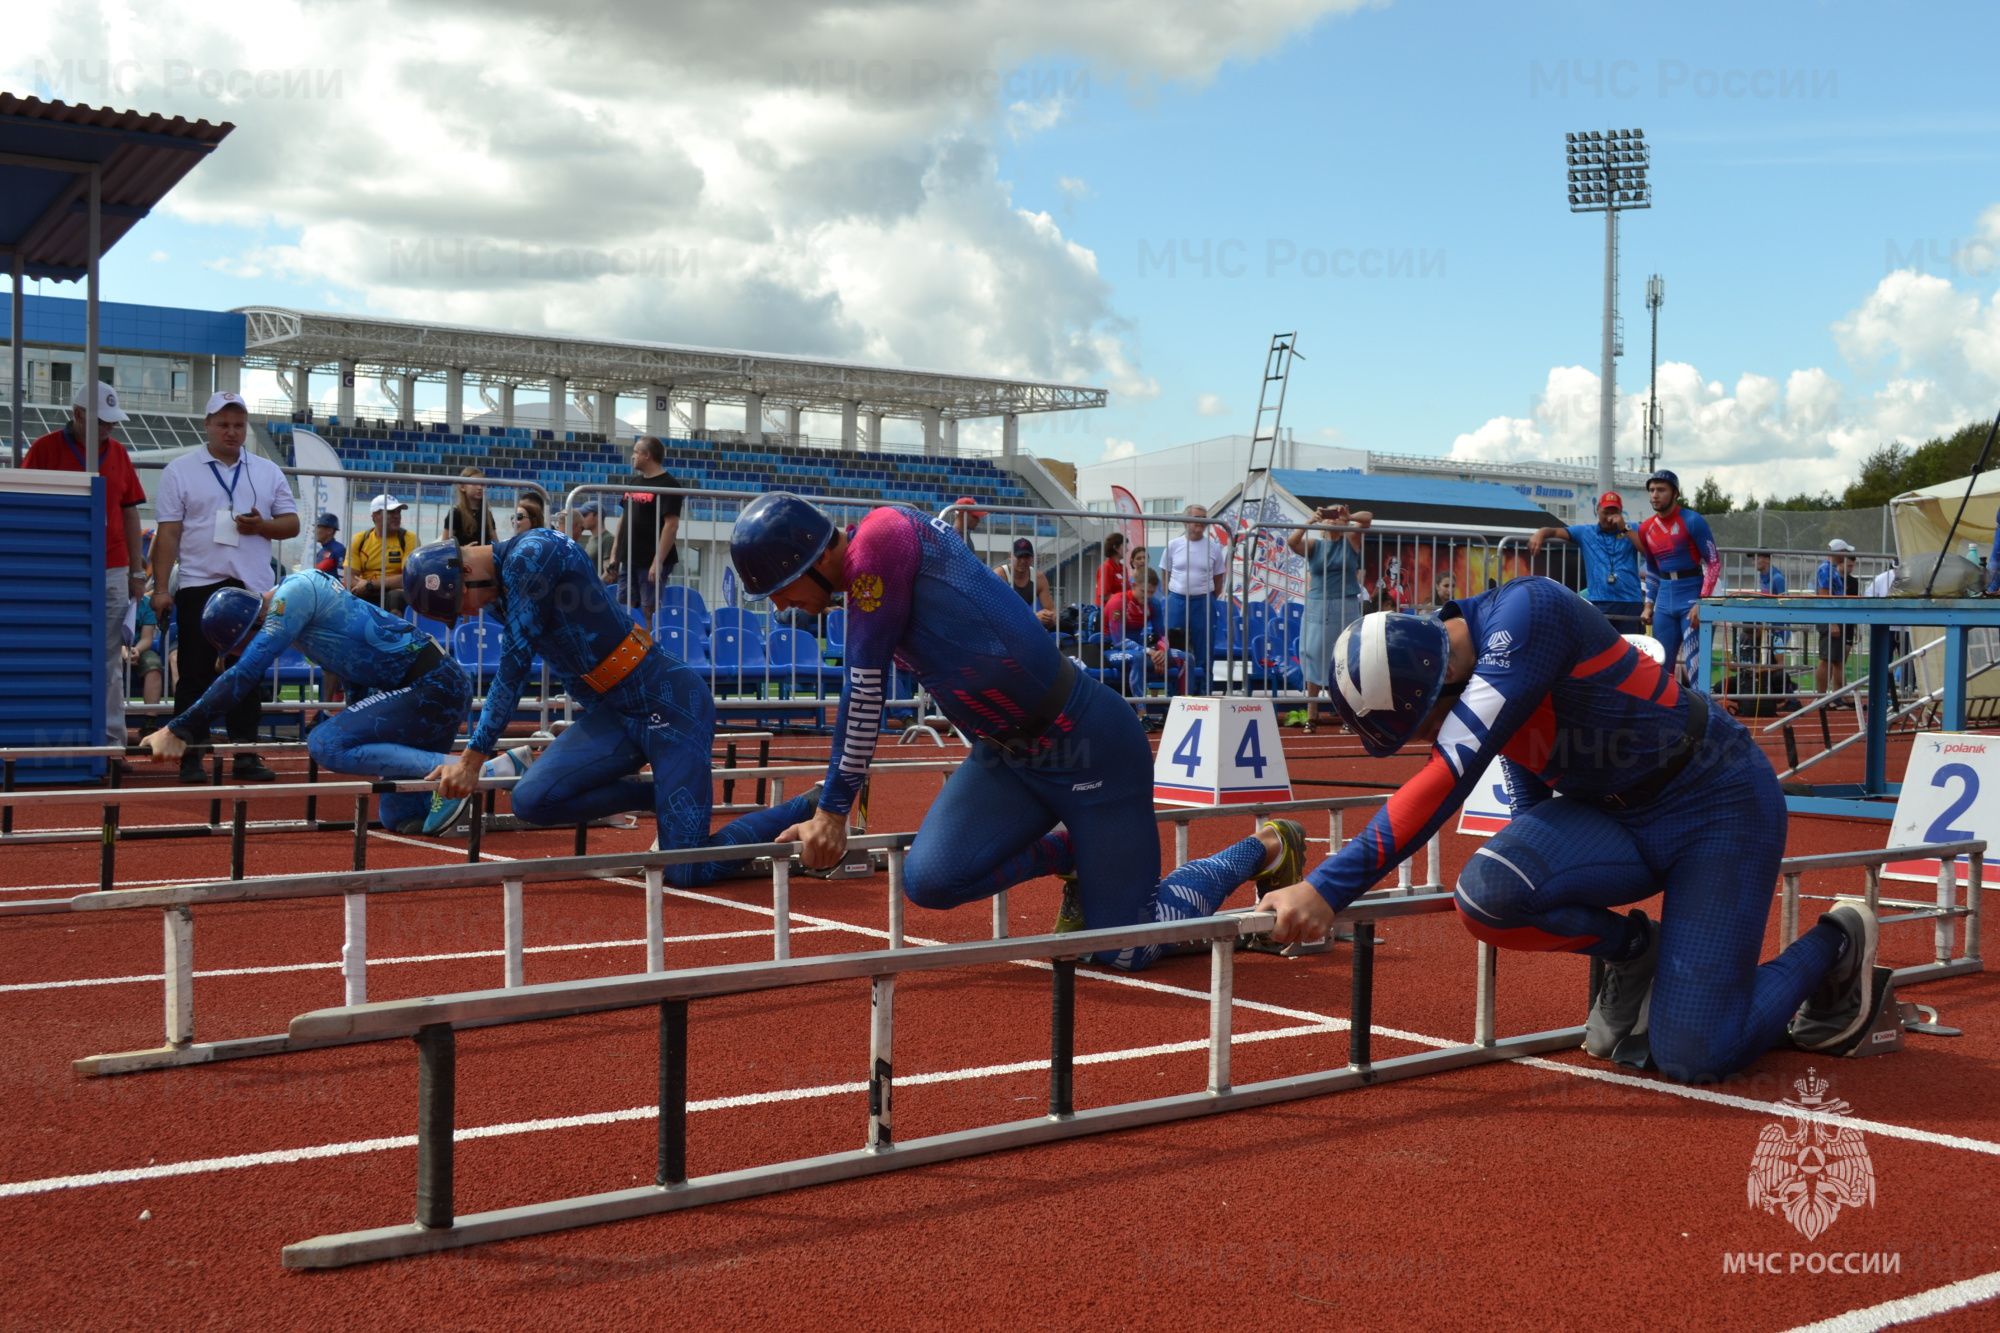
1923	517
1923	522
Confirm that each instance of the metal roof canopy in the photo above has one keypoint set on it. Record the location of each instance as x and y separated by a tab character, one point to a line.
73	181
281	339
1471	504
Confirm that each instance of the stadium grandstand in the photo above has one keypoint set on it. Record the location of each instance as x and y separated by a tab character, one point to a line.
166	361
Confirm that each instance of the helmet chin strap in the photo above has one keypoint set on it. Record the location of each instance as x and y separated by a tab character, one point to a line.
812	572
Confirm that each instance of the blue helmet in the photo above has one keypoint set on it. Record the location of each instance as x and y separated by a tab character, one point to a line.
1388	673
776	539
230	618
1668	477
433	580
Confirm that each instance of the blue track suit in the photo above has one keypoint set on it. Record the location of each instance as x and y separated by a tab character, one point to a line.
552	603
1581	718
1071	794
394	726
1683	565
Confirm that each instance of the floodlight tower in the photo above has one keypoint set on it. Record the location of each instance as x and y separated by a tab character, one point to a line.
1607	174
1656	296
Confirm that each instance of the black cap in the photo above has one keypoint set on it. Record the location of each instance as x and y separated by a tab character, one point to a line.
1022	546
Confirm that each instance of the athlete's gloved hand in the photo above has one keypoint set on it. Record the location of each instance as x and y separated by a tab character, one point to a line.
166	746
1302	913
461	778
822	840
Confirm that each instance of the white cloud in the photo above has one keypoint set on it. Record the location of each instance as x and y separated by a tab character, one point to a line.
1923	360
1210	405
1115	449
1072	186
822	180
1982	251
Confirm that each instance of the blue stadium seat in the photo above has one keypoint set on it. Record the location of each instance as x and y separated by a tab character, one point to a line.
738	655
794	660
738	617
835	626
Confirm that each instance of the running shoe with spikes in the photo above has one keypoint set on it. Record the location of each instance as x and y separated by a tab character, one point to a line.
1290	867
1069	917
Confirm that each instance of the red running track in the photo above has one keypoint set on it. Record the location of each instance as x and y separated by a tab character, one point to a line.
1528	1195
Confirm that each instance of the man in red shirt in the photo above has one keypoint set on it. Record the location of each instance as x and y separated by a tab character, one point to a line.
124	560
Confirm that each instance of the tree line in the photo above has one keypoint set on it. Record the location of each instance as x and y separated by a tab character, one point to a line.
1888	472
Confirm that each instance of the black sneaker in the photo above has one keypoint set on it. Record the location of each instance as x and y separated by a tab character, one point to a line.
1625	1000
251	768
1836	1015
193	772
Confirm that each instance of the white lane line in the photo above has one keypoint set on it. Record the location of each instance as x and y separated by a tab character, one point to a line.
1923	1305
287	1156
463	955
1880	1127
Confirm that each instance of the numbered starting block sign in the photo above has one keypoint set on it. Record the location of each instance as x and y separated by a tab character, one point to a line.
1951	790
1221	752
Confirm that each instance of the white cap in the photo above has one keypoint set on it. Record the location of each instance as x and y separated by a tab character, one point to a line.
384	501
107	402
1839	544
218	401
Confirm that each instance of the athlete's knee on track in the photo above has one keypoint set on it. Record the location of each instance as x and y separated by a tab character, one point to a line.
1687	1056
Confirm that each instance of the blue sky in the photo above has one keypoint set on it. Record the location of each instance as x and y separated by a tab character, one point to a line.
1387	182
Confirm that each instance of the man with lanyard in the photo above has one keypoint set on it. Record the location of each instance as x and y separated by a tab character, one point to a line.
124	561
1610	561
640	706
220	508
1623	785
1682	567
1059	780
410	697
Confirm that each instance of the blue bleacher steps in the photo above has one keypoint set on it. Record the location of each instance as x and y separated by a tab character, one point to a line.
514	454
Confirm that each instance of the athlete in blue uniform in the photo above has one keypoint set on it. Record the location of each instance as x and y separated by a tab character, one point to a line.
1059	781
640	706
408	696
1623	785
1683	565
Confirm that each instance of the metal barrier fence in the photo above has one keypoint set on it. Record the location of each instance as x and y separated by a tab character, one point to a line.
1298	585
1768	671
347	496
434	1022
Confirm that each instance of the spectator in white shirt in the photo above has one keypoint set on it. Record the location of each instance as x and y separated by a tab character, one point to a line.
1195	566
219	509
